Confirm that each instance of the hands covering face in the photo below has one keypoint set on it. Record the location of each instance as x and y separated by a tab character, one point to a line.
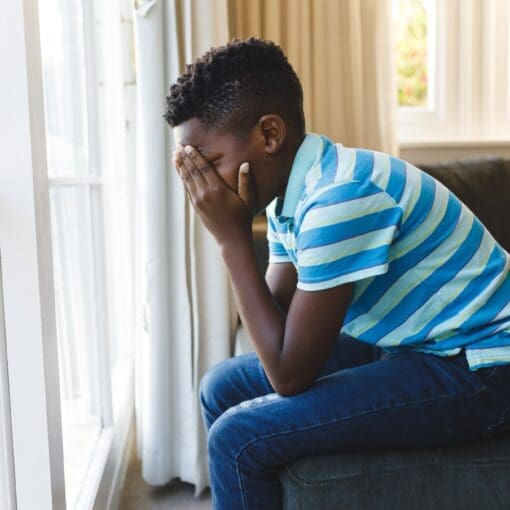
225	213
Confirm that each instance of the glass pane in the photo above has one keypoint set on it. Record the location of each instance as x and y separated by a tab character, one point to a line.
118	235
412	26
118	225
76	326
65	99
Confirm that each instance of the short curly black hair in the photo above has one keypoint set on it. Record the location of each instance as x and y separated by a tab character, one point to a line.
231	86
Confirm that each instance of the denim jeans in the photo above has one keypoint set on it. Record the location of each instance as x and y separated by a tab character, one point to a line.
406	399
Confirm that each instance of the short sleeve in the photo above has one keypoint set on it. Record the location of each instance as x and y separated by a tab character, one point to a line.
345	233
277	252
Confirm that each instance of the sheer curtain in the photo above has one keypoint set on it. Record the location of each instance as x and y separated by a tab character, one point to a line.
190	315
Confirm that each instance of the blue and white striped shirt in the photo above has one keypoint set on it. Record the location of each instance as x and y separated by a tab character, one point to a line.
427	274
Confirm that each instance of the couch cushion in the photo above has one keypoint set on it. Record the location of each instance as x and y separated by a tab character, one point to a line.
463	476
483	184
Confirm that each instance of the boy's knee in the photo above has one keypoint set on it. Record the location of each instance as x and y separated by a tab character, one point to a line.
205	385
211	380
225	431
224	376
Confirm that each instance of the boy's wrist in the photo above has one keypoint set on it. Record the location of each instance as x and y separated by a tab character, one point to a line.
235	243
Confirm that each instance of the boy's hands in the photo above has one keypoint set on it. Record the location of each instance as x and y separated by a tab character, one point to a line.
225	213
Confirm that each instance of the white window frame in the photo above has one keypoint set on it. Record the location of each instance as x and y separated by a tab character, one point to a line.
466	83
7	481
108	465
31	457
37	477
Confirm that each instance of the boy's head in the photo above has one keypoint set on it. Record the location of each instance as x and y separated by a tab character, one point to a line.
241	101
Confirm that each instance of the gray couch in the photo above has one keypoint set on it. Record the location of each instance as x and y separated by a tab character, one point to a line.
469	476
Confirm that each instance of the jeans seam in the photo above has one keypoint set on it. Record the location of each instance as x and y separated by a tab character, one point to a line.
240	484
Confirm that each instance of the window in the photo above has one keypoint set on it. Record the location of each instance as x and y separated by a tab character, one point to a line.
86	76
452	69
414	49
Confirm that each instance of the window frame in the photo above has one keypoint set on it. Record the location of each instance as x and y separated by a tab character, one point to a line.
7	480
101	487
466	113
30	407
27	277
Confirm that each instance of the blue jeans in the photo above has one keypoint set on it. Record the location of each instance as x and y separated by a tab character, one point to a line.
407	399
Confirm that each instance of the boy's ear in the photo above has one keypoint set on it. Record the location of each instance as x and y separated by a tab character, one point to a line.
273	132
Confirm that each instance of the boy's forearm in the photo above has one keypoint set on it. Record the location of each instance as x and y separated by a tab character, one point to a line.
262	318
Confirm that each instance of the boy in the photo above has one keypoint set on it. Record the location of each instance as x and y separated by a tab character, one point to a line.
364	249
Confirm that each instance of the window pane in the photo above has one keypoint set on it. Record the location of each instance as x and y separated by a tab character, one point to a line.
412	27
65	100
76	328
91	224
118	235
118	224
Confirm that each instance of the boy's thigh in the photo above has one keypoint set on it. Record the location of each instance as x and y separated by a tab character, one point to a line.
243	377
409	400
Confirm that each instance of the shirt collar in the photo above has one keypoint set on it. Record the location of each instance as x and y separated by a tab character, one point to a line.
307	156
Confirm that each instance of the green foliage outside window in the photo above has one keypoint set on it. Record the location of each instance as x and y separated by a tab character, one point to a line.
411	53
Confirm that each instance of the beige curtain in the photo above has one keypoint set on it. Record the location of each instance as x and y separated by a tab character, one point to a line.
342	50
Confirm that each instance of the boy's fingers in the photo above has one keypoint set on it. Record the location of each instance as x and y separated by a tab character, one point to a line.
245	185
185	175
193	170
204	167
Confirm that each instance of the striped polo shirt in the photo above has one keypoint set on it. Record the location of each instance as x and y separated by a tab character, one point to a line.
428	275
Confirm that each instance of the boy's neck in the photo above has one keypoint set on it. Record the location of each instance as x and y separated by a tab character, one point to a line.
291	155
